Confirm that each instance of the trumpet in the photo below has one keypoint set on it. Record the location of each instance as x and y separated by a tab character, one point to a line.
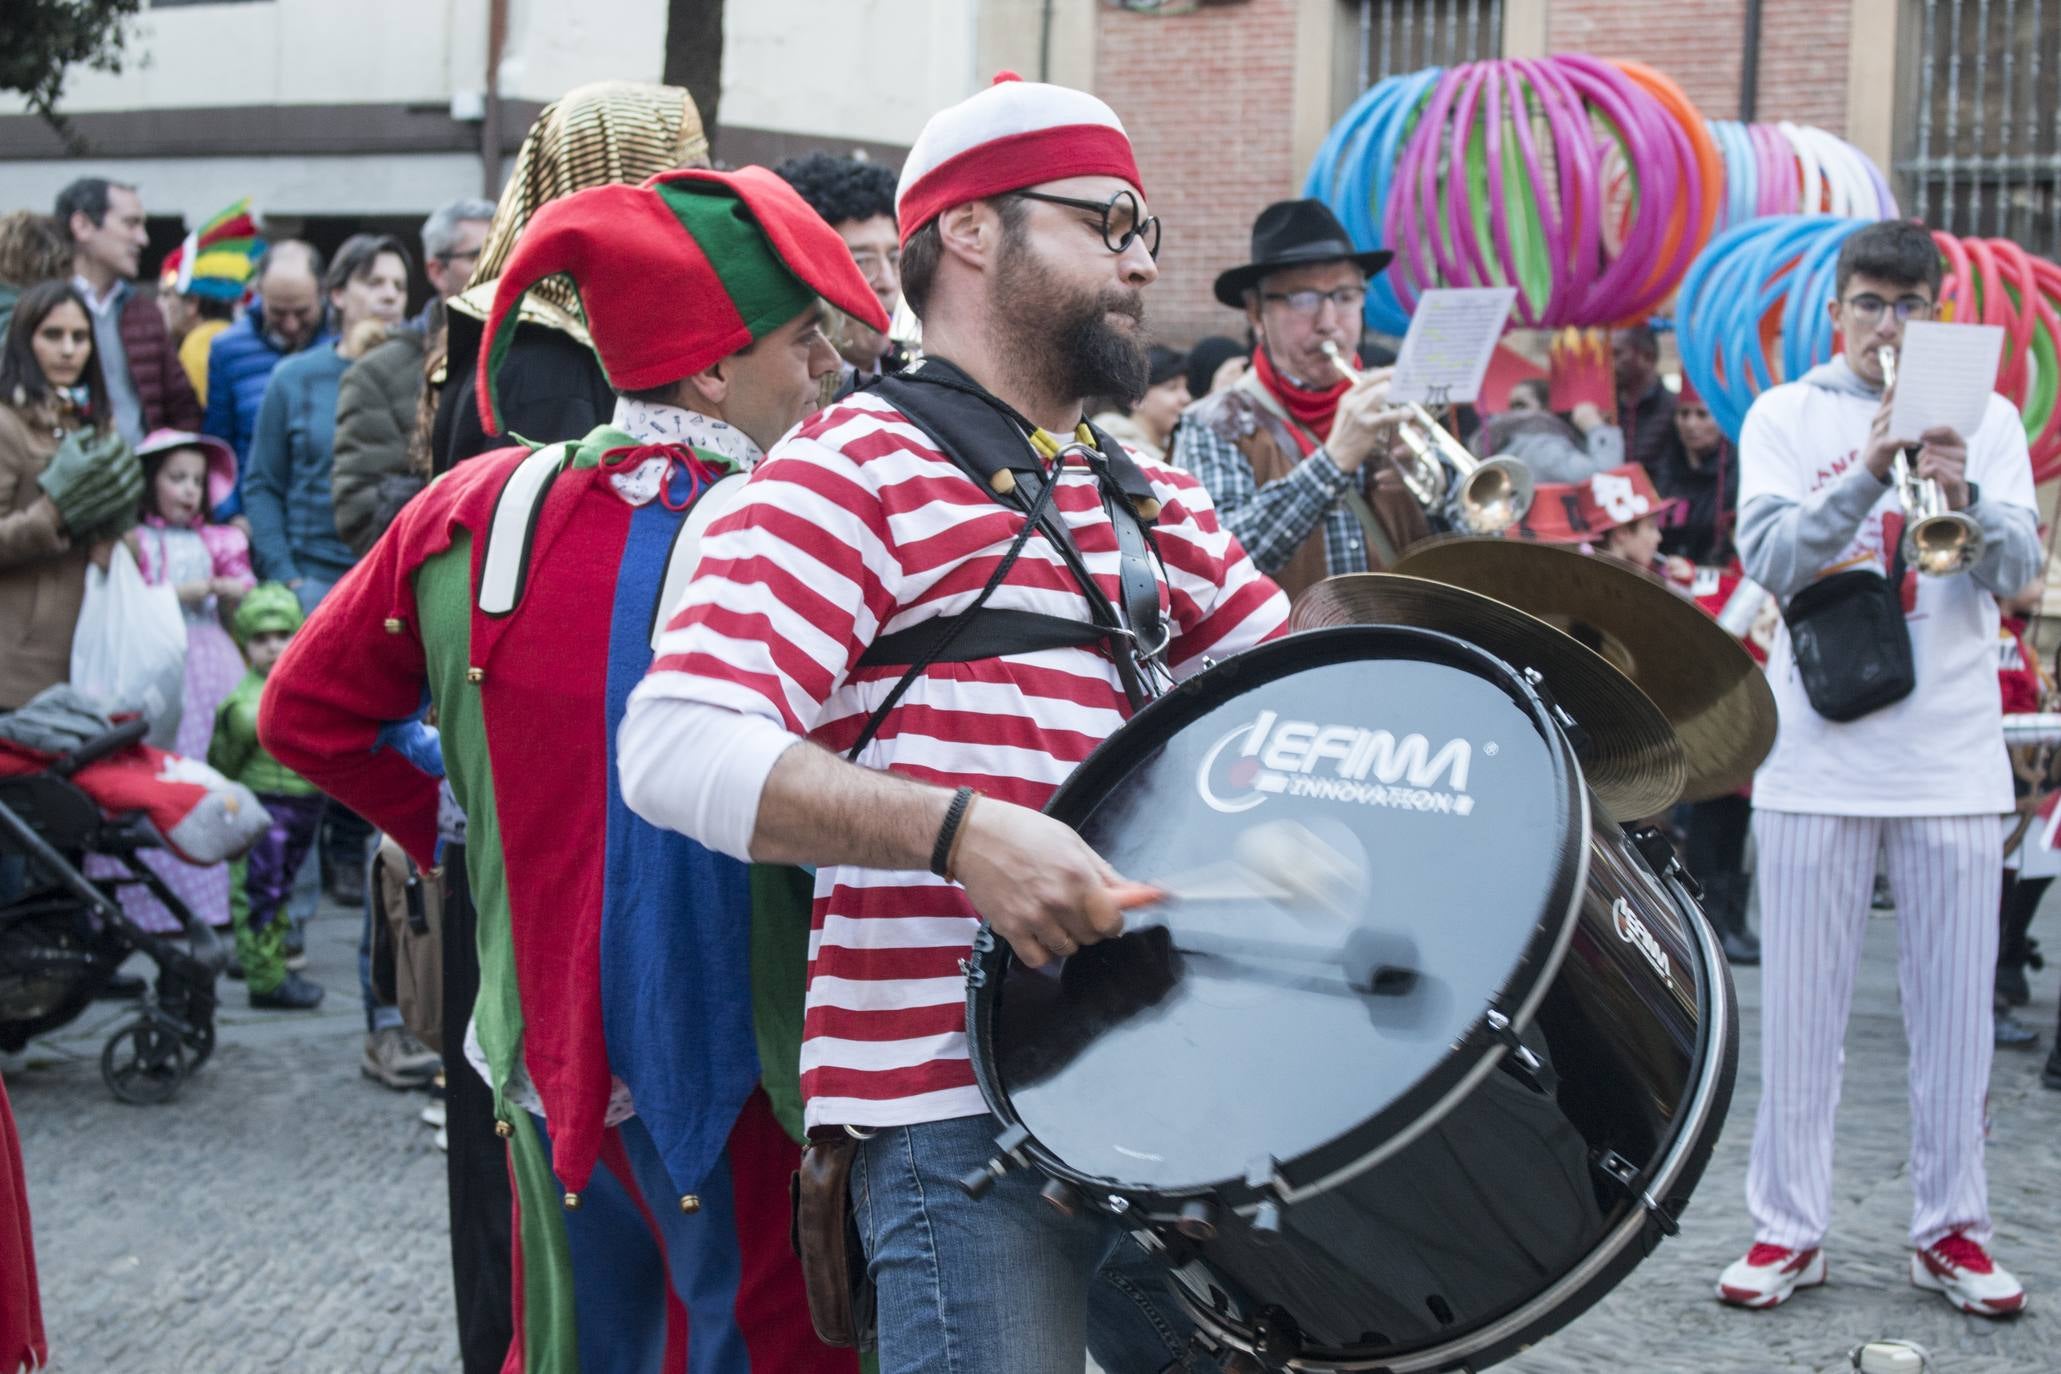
1937	541
1456	489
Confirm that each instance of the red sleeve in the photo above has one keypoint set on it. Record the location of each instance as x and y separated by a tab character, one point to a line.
342	678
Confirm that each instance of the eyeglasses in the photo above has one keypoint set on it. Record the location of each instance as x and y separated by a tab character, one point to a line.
1120	219
1348	299
1869	307
471	255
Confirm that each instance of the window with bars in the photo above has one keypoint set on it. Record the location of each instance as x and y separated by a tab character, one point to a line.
1984	145
1390	37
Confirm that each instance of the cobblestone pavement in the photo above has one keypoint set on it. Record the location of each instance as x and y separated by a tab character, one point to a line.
285	1213
1664	1318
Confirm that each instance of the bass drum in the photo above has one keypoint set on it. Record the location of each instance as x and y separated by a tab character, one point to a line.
1417	1128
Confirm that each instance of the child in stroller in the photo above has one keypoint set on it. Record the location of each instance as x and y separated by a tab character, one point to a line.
89	786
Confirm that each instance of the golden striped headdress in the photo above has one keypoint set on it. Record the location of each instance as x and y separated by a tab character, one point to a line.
607	133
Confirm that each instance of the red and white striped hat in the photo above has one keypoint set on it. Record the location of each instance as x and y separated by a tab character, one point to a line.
1014	134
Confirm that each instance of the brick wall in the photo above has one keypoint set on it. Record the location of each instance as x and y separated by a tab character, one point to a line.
1803	47
1208	100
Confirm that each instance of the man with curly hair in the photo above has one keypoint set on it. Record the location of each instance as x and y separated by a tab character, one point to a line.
857	197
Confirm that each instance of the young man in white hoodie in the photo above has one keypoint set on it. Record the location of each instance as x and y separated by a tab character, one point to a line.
1924	779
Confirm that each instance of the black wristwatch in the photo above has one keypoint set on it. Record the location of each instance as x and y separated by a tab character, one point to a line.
1974	494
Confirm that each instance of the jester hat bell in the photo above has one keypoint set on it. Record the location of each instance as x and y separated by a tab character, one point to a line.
677	274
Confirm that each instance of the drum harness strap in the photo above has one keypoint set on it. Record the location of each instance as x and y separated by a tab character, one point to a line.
991	443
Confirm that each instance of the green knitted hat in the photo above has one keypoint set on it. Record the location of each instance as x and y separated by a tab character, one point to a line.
269	606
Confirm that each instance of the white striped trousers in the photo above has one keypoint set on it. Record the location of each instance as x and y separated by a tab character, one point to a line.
1815	875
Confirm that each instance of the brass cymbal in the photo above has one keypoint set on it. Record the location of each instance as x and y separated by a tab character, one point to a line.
1632	757
1701	678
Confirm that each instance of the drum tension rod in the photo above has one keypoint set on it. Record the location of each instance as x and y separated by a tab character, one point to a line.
1659	852
1520	1063
1577	738
1008	1155
1263	1176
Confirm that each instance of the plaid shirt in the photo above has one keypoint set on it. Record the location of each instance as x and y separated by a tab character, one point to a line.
1273	521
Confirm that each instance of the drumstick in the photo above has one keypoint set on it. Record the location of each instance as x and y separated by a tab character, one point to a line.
1281	862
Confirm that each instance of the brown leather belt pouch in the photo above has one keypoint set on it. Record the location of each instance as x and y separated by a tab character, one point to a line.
826	1238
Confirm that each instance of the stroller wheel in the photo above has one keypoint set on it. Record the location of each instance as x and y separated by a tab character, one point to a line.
143	1063
202	1042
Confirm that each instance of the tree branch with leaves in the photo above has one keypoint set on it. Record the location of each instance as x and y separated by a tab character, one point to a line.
45	39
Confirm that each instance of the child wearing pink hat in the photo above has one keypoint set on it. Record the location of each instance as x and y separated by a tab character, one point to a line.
184	477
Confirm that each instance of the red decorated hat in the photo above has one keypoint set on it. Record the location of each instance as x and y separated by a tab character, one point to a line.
677	274
1014	134
1689	395
1583	512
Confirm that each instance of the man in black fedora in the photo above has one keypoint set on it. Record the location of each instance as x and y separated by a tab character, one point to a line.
1289	453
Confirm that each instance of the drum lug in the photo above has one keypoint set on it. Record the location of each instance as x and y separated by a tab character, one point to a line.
1660	855
1275	1335
1625	1175
1618	1169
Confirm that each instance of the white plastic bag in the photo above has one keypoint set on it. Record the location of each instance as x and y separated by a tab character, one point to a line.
129	650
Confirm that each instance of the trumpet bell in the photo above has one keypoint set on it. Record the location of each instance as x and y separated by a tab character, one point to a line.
1495	496
1941	545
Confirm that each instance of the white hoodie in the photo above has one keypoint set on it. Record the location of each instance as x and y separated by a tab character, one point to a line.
1808	506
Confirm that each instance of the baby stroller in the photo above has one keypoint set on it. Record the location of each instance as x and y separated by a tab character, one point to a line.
64	936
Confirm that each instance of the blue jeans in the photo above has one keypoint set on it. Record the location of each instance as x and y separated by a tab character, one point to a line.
379	1015
1003	1284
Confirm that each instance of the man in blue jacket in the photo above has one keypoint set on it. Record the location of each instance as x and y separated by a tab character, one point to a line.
285	318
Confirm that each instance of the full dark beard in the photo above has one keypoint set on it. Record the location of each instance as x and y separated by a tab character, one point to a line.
1067	346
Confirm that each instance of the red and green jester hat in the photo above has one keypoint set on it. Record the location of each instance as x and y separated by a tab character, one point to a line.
519	596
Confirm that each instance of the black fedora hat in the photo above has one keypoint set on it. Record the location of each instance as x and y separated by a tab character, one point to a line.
1295	233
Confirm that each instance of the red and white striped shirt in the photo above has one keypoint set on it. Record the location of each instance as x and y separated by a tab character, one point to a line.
857	526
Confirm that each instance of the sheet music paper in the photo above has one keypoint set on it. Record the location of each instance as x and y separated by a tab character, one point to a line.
1944	375
1453	334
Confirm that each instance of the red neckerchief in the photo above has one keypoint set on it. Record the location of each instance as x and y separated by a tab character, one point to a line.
1312	410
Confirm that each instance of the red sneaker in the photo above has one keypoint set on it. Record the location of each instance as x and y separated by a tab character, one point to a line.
1769	1274
1963	1272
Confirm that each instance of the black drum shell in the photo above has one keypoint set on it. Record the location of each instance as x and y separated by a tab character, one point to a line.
1433	1241
1426	1260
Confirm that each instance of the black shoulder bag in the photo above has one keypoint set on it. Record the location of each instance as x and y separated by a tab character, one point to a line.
1852	646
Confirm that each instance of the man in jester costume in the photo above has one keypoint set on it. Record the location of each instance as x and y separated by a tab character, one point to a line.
639	1012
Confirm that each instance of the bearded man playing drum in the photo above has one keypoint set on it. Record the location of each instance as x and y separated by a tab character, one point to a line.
1026	249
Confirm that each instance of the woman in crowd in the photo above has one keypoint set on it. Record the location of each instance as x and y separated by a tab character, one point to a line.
1700	474
1573	448
286	487
33	248
68	485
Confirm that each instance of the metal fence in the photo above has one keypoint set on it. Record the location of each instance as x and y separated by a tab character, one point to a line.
1985	149
1407	35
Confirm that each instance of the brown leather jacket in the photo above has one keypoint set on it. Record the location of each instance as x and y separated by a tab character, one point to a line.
42	574
1263	437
